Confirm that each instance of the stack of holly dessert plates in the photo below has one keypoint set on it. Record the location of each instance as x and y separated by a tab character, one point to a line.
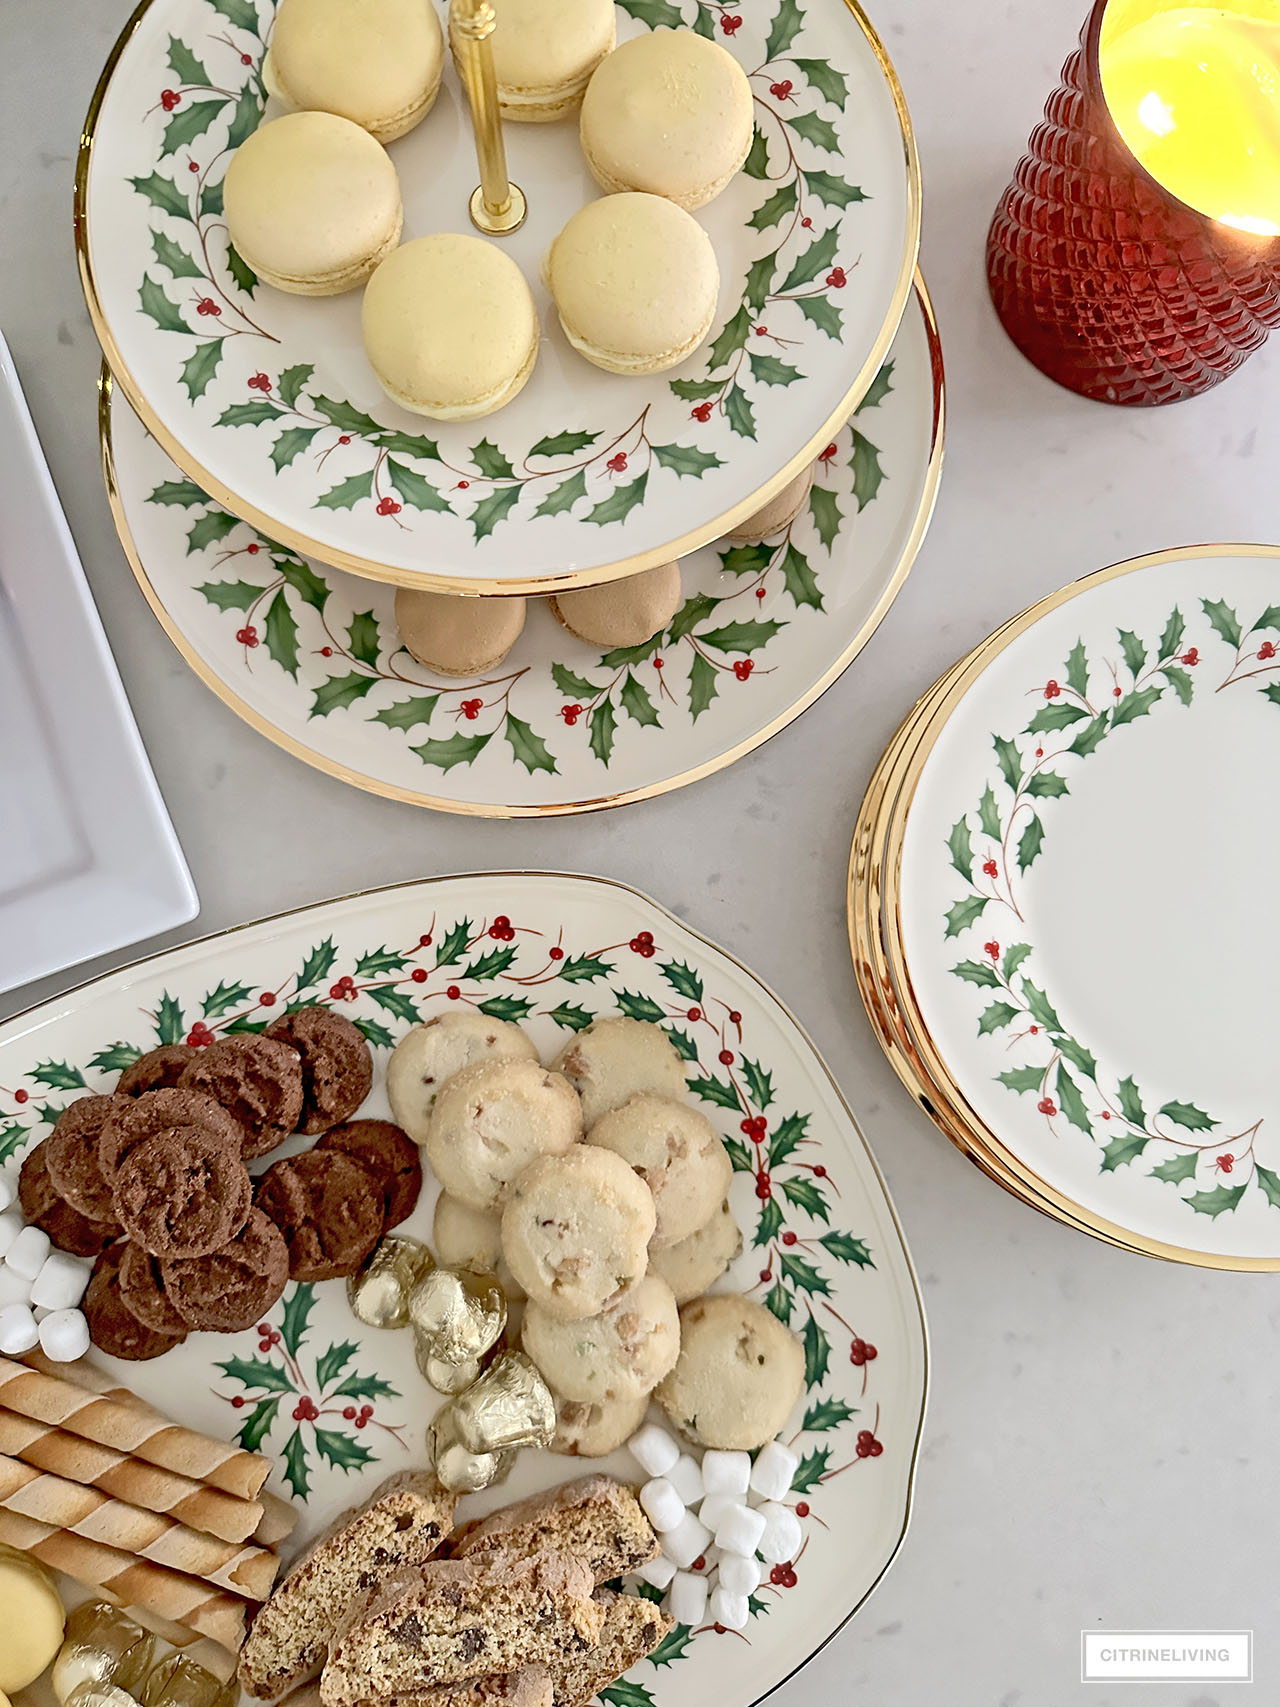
1061	901
295	489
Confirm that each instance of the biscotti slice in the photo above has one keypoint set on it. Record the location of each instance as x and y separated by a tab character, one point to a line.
529	1687
633	1627
455	1619
403	1523
595	1518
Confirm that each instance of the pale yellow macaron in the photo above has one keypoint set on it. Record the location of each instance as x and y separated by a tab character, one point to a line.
635	283
668	112
781	510
450	327
375	62
313	203
622	613
544	52
457	636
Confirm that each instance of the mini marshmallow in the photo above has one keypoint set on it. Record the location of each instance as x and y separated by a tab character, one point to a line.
64	1335
726	1472
661	1504
7	1191
687	1601
14	1289
658	1572
10	1227
18	1330
714	1509
737	1575
653	1450
60	1283
772	1471
26	1255
688	1541
729	1610
740	1529
686	1478
782	1534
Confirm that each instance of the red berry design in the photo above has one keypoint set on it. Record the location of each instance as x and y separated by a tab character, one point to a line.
260	382
207	305
336	993
1192	657
788	1238
730	25
695	1014
388	507
1039	752
169	99
425	941
1266	650
700	1563
992	948
500	927
827	454
193	165
1046	1105
766	1275
618	463
658	663
556	953
326	651
247	636
453	992
806	222
802	1510
819	1172
267	999
199	1036
1116	693
1035	1031
345	439
237	1402
1106	1115
781	91
253	549
991	868
471	709
464	485
764	1186
735	1018
789	1578
761	331
1226	1162
246	59
858	1353
867	1445
700	412
349	1412
571	713
760	592
1051	689
419	974
836	278
22	1096
776	1576
743	668
726	1057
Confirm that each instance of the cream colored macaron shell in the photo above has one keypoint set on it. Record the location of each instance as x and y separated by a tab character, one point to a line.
375	62
457	636
312	203
450	328
544	54
635	283
668	112
622	613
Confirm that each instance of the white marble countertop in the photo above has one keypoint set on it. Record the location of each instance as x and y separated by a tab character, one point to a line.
1100	1447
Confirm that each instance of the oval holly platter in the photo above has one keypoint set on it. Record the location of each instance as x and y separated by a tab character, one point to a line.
338	1406
268	402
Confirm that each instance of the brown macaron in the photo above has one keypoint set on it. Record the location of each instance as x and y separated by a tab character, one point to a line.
233	1288
458	636
622	613
337	1064
330	1209
258	1080
44	1206
390	1155
182	1192
781	510
157	1070
113	1327
71	1156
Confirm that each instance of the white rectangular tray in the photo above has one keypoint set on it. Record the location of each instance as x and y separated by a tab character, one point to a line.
88	858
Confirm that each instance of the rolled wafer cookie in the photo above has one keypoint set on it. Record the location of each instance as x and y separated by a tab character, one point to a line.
249	1571
61	1404
144	1485
134	1582
278	1521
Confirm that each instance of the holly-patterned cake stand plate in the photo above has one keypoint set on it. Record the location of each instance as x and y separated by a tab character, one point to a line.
338	1406
267	400
311	658
1075	884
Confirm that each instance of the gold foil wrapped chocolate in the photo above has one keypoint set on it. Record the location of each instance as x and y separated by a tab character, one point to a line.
447	1378
100	1695
102	1645
379	1292
508	1407
457	1314
181	1681
458	1469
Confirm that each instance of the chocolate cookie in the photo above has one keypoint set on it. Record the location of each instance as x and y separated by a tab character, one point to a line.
182	1192
157	1070
258	1080
329	1208
113	1327
43	1206
391	1157
71	1156
236	1286
337	1066
142	1291
134	1119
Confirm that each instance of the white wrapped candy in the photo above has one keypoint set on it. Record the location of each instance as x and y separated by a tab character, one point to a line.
737	1575
661	1504
687	1601
60	1283
740	1529
782	1534
726	1472
729	1610
658	1572
12	1225
653	1450
772	1471
26	1255
688	1541
18	1330
64	1335
686	1478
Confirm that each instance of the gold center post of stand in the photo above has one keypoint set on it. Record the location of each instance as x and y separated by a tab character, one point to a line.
497	205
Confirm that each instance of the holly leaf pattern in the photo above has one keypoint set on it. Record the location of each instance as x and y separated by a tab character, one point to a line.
159	307
868	473
827	514
1217	1201
603	724
961	847
164	194
817	1353
819	255
1224	621
1030	843
339	692
774	209
799	579
620	502
704	685
1186	1114
1179	1168
280	634
564	496
1072	1103
817	130
563	444
826	1414
784	29
528	748
965	913
1123	1150
637	702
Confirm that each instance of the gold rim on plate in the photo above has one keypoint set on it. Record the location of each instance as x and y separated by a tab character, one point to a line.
875	872
598	803
503	585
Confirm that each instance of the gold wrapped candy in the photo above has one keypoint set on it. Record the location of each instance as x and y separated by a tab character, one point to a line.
379	1292
102	1645
508	1407
457	1468
181	1681
448	1378
92	1694
457	1316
